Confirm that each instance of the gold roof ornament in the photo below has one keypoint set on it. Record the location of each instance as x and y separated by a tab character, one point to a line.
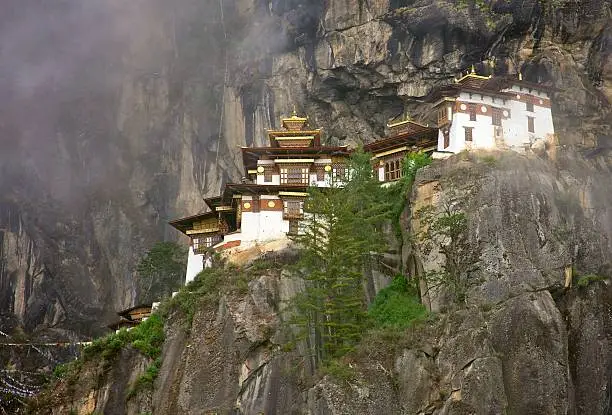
520	76
473	70
294	123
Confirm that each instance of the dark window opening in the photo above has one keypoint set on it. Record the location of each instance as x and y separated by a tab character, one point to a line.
468	133
496	118
529	106
472	112
530	125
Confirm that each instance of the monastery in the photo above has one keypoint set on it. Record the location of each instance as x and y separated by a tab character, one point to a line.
475	112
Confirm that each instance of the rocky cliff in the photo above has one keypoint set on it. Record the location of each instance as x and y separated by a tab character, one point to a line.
130	112
522	340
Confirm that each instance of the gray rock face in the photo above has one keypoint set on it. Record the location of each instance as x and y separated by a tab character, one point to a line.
144	120
102	141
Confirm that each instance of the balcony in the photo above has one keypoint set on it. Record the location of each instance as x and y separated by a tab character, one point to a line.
290	214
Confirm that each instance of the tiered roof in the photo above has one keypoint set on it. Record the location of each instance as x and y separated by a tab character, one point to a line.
405	133
295	140
489	85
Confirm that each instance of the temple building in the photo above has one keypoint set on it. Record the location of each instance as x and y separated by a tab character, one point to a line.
404	136
486	112
475	112
131	317
268	204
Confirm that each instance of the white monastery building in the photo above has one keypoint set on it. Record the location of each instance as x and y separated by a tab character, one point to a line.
269	202
475	112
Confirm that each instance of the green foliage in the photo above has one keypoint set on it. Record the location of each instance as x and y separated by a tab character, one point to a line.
397	193
161	271
397	305
342	230
210	284
445	230
64	370
147	379
585	280
338	370
147	337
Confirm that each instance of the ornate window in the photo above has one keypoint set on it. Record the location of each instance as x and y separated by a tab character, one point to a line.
472	109
442	115
393	170
293	209
468	133
338	173
201	242
320	173
295	175
530	125
529	106
496	118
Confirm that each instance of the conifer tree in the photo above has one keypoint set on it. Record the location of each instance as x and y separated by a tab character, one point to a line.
341	230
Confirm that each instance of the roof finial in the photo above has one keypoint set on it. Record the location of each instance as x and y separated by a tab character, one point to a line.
520	76
294	113
473	70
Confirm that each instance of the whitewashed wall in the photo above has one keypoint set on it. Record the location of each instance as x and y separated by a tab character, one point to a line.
195	265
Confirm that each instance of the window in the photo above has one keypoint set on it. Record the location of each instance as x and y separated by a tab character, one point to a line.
530	125
446	138
201	242
294	227
496	118
338	173
393	170
268	175
472	109
295	175
468	133
442	115
293	209
529	106
320	173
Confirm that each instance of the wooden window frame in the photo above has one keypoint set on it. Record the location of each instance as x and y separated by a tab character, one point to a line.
393	169
472	111
339	173
529	106
469	134
295	174
293	209
530	124
496	117
268	173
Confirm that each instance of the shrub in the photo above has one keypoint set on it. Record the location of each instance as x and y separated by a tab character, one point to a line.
585	280
338	370
397	305
147	379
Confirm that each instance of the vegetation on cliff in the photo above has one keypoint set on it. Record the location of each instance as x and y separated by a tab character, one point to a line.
343	234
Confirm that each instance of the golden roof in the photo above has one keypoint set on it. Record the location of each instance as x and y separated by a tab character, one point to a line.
471	74
294	123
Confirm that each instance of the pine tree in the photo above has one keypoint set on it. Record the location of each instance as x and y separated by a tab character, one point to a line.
342	228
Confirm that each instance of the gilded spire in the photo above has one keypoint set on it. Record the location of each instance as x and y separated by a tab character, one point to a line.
294	113
520	76
473	70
